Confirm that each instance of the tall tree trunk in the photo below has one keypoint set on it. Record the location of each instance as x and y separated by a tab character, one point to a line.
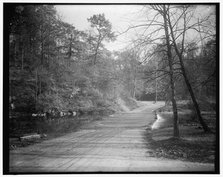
134	85
134	90
176	132
196	106
22	58
14	54
42	55
48	57
180	56
40	85
36	91
156	86
70	47
96	53
42	45
100	38
40	80
58	54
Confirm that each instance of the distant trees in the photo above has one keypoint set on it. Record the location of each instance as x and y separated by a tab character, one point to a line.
130	74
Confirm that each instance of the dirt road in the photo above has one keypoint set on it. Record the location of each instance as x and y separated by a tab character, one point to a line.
114	144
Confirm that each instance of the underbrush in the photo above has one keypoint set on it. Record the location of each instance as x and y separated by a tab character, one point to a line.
125	103
130	102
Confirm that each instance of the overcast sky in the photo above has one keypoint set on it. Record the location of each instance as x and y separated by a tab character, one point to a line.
120	16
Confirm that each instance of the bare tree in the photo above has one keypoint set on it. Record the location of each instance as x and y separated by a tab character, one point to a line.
152	38
186	16
174	21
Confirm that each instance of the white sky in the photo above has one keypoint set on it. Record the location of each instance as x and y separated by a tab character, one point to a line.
120	16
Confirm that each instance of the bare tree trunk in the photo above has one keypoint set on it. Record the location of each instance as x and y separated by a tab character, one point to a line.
180	56
133	86
96	53
176	132
42	45
40	86
134	91
70	47
201	55
100	38
22	58
36	91
196	106
197	109
42	55
156	86
14	54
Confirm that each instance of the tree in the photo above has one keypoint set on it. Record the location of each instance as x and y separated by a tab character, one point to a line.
162	11
170	23
129	71
170	61
103	32
185	14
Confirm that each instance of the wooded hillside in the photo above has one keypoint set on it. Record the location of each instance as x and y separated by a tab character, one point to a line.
54	65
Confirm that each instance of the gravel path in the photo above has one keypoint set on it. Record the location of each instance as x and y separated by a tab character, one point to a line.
114	144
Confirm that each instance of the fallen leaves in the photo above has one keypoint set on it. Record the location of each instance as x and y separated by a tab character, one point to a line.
183	149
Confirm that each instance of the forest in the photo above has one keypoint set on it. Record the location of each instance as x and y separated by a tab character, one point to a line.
54	67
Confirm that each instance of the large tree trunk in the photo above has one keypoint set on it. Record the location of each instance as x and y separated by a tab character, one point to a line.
176	132
196	106
180	56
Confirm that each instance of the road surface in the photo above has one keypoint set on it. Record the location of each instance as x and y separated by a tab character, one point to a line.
114	144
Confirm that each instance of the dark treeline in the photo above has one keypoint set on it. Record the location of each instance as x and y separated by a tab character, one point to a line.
54	65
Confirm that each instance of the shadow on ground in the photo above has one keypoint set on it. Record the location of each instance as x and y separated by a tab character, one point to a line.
194	145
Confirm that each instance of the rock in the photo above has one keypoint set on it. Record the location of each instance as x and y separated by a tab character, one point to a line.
12	147
184	155
74	113
211	157
43	135
30	137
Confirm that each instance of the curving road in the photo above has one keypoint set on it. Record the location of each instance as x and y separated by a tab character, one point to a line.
114	144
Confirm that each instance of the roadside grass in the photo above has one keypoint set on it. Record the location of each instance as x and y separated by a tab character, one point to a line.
193	145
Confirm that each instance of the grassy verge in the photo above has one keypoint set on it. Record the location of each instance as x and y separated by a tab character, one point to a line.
194	145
